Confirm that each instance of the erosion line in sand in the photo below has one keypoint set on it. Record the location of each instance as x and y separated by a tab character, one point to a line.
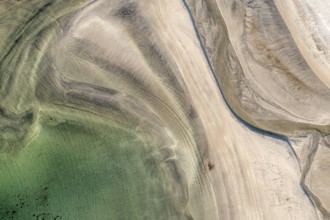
246	124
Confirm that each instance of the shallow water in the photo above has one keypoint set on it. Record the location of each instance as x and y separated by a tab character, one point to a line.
74	172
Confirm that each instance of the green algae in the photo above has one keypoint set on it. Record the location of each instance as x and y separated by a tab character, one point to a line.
72	171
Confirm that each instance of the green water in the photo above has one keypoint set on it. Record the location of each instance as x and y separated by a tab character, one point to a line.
73	172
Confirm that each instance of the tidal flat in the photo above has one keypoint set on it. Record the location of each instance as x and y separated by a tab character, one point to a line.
176	109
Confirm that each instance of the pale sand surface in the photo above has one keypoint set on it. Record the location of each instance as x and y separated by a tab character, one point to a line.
311	19
172	109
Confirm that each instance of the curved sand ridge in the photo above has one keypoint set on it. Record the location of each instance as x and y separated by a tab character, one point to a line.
189	84
267	80
118	73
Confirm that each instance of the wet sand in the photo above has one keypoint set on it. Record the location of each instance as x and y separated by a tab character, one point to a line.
162	110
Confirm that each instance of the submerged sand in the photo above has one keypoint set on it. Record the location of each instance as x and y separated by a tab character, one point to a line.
163	110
